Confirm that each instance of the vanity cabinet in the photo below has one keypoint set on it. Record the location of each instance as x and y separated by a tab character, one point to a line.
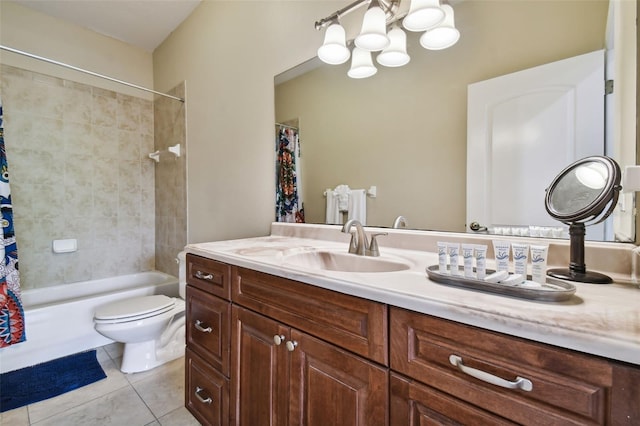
266	350
290	363
208	328
447	370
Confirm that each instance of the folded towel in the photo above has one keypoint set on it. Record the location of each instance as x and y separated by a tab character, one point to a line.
332	215
358	205
342	195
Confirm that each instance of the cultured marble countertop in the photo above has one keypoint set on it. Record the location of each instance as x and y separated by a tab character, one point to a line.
602	320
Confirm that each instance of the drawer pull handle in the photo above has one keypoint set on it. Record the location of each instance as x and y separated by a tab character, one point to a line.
199	326
278	339
201	275
207	400
518	383
291	345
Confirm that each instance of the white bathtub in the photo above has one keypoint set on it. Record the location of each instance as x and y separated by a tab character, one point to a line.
59	319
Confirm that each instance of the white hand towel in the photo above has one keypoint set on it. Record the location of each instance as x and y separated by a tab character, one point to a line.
332	215
358	205
342	196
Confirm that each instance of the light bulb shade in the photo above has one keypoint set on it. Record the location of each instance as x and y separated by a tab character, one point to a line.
423	15
373	36
395	55
361	64
334	49
444	35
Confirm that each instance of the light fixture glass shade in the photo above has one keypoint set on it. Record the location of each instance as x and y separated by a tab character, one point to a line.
361	64
444	35
334	49
395	55
373	36
423	15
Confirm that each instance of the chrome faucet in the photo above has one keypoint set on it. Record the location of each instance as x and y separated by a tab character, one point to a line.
359	244
400	220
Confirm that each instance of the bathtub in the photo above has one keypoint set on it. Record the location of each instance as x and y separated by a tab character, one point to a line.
59	319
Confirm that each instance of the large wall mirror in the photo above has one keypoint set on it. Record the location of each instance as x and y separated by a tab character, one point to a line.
404	130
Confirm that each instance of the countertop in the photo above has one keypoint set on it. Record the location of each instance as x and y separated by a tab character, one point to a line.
602	320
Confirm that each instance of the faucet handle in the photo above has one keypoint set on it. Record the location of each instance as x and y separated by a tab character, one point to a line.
373	245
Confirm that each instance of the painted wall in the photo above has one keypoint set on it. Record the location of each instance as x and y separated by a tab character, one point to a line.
30	31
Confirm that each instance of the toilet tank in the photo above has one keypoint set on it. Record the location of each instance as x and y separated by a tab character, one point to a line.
182	274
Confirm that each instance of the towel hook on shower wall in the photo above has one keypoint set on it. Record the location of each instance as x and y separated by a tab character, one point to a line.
175	150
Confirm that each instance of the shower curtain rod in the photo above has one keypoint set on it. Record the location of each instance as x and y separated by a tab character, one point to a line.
95	74
287	126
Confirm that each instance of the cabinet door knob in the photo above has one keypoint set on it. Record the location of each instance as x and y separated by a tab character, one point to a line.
278	339
206	400
291	345
198	325
201	275
518	383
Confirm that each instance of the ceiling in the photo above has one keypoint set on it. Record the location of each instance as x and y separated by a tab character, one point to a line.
141	23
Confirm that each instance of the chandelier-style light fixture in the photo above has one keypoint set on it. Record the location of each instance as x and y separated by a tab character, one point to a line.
433	17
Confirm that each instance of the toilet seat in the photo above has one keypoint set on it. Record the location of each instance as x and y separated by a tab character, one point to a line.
134	309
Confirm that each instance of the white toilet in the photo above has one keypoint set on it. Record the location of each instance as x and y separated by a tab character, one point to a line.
152	328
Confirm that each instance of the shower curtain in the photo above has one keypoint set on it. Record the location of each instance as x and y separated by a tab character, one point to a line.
289	206
11	312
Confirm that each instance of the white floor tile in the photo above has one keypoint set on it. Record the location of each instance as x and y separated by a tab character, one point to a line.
15	417
150	398
115	380
122	407
163	391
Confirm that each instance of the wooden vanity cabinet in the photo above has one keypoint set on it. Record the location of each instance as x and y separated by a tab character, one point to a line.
284	375
208	328
549	385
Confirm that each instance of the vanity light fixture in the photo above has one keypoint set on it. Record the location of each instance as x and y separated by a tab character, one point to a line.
334	50
361	64
431	16
442	36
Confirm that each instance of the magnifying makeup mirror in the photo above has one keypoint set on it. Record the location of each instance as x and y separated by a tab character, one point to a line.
584	193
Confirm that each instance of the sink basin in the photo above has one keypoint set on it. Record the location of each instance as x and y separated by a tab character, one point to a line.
344	262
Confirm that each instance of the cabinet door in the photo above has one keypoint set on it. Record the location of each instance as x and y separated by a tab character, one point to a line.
206	392
330	386
414	404
208	328
260	370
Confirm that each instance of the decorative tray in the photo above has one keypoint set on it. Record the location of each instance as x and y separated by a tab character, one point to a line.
554	290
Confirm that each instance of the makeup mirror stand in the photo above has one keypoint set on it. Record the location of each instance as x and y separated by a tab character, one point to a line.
577	270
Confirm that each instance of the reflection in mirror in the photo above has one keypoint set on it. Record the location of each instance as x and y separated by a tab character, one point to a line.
584	193
404	130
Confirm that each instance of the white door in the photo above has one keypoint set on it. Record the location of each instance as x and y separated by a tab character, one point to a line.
523	129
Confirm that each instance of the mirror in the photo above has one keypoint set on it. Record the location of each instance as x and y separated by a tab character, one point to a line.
584	193
404	130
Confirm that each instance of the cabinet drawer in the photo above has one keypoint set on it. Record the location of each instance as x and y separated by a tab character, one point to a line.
209	275
208	327
206	392
567	387
355	324
413	403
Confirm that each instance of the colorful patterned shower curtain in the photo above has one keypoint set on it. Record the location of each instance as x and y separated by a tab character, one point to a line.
11	312
289	206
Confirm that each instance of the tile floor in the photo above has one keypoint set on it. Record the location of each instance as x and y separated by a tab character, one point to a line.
154	398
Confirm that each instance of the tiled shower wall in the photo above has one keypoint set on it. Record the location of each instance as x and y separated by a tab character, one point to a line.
78	169
170	181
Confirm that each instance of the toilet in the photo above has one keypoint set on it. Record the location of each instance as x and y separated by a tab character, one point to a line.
152	328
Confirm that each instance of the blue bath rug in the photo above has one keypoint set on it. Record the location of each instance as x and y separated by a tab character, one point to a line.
49	379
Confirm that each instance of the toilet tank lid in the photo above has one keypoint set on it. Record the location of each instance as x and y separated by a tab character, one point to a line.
134	306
